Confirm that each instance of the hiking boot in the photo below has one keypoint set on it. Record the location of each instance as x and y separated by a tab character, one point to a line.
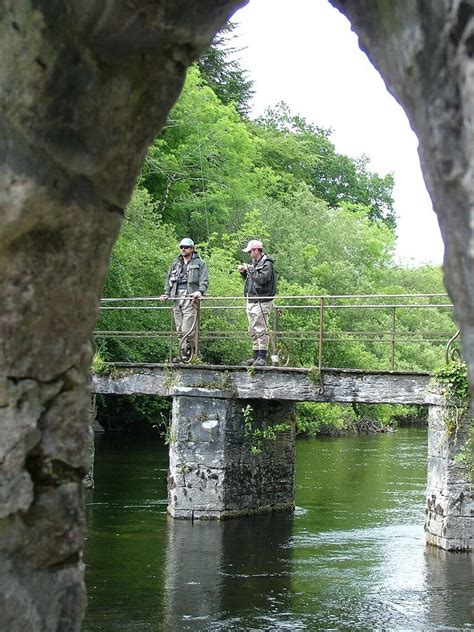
250	361
261	359
186	355
176	360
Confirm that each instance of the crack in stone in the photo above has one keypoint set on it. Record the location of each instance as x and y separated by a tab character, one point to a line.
46	472
14	379
114	208
463	16
71	560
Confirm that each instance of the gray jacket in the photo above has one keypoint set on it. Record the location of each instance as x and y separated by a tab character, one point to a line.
260	279
196	277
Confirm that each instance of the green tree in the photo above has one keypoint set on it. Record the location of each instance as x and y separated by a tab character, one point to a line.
221	70
300	151
138	265
200	169
338	249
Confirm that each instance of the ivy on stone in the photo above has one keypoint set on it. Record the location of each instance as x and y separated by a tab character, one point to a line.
257	436
455	386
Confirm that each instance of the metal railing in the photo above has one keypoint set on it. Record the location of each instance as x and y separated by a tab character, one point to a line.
327	324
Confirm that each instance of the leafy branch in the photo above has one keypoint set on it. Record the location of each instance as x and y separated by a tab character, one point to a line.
257	436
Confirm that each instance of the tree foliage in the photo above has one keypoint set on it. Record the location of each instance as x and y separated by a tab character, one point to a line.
200	169
300	151
221	70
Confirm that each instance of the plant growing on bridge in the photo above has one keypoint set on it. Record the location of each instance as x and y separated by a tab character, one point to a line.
169	379
227	384
455	386
257	436
196	360
99	365
169	435
315	376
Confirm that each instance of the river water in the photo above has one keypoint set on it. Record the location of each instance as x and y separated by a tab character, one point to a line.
352	557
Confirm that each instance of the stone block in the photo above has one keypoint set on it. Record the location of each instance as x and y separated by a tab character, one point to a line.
68	441
437	443
58	522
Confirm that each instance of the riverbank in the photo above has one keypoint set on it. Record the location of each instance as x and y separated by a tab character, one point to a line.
143	416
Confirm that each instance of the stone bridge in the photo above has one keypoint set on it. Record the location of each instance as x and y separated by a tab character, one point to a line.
223	465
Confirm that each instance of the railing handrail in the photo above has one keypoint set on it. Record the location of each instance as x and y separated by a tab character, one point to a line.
208	297
238	307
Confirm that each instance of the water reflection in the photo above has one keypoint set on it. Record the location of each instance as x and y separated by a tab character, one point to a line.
449	576
351	558
218	574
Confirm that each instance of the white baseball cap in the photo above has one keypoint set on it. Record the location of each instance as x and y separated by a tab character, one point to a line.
253	243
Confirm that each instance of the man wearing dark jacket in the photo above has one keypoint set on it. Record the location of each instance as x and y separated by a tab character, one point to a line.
186	282
259	288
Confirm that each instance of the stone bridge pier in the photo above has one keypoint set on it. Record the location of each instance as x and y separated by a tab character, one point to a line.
449	520
220	467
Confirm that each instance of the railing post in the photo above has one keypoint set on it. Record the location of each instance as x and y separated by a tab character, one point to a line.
393	336
196	328
321	332
451	353
172	333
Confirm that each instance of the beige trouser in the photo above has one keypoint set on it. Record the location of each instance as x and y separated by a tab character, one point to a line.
258	315
184	314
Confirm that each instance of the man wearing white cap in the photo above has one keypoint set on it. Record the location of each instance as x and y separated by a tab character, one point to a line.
259	288
186	282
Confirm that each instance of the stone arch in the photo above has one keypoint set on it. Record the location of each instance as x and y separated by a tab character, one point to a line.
85	86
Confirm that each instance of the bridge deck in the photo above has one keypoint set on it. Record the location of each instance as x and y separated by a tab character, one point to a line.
274	383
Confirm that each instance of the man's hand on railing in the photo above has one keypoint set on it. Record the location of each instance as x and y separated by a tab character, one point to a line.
163	297
196	297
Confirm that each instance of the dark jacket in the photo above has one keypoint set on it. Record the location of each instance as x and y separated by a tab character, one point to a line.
196	278
260	279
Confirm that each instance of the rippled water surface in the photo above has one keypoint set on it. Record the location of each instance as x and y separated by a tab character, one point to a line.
352	557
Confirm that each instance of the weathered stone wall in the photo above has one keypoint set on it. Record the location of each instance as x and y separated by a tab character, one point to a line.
89	477
450	495
213	473
84	88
